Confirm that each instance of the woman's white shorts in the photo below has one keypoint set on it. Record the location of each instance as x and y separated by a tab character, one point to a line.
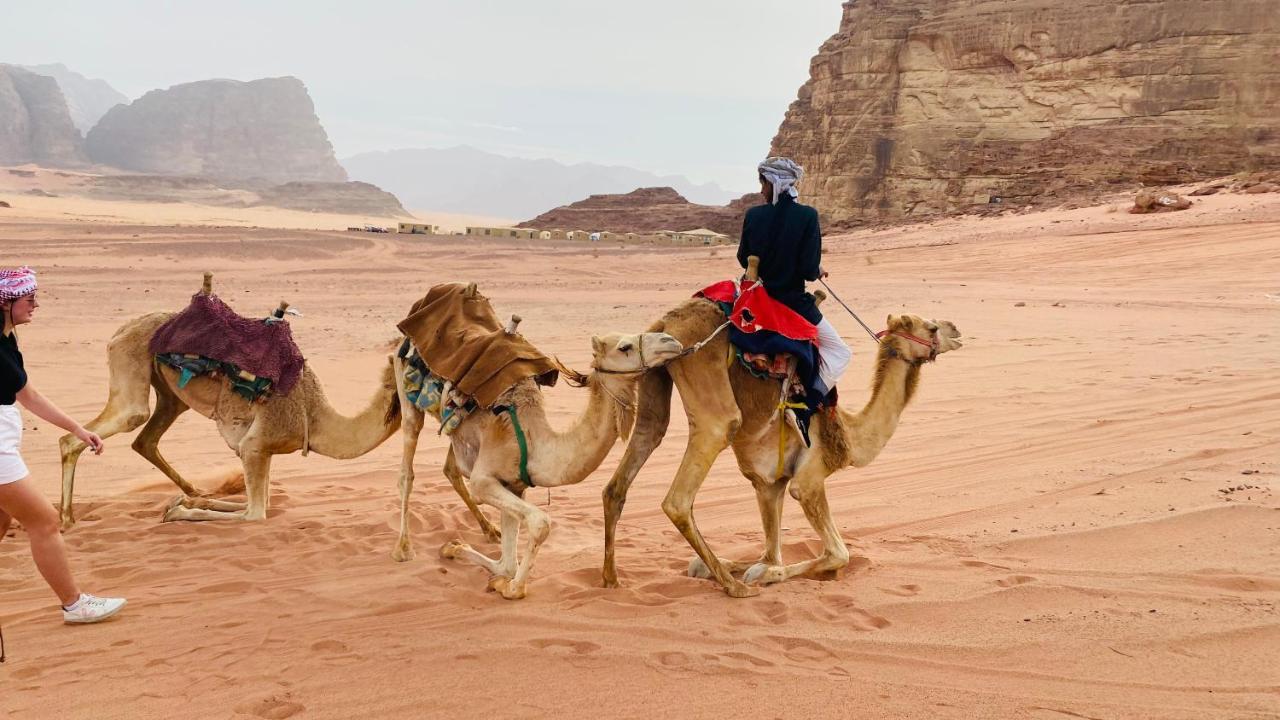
12	469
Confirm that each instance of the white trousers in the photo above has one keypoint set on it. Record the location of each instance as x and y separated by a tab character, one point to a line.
833	355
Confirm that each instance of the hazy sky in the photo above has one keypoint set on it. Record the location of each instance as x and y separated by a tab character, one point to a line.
691	87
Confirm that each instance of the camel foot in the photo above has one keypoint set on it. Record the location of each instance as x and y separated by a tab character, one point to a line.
177	501
404	552
173	512
764	574
698	569
66	522
739	590
451	549
511	591
609	580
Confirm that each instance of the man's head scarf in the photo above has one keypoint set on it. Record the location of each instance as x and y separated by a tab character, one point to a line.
17	283
783	174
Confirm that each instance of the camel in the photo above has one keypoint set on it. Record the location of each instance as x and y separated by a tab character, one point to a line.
727	406
485	450
302	420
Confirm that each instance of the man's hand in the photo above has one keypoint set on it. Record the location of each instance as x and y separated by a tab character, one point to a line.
822	272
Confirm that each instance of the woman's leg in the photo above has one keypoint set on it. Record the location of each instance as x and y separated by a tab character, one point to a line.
21	500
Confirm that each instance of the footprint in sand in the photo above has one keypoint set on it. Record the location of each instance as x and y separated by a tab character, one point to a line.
802	649
1015	580
330	646
672	658
272	708
902	590
581	647
844	609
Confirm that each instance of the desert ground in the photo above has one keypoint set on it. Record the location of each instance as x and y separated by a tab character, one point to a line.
1077	517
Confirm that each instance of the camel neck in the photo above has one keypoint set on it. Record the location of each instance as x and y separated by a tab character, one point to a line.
335	435
566	458
872	427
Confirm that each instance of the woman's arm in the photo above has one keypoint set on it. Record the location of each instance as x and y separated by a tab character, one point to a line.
44	409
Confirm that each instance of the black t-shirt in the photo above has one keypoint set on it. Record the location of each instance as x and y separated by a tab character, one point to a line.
13	376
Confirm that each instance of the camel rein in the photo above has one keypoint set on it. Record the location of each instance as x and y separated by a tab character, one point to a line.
932	345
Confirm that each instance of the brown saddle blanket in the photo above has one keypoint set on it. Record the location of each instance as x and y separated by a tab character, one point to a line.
210	328
461	340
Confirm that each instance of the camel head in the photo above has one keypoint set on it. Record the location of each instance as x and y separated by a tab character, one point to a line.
918	340
620	359
621	353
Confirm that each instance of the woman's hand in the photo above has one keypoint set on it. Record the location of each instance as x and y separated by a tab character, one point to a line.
89	438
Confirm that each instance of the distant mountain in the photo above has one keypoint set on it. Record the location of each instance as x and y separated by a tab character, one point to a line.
35	125
467	180
87	99
263	129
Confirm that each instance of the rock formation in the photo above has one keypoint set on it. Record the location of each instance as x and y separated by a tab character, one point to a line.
645	210
348	198
87	99
925	106
223	129
35	125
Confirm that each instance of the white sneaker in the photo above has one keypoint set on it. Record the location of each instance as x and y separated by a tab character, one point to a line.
90	609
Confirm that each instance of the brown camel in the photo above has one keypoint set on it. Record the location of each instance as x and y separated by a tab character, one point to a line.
302	420
484	448
727	406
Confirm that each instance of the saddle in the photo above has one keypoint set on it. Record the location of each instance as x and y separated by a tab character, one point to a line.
257	356
456	333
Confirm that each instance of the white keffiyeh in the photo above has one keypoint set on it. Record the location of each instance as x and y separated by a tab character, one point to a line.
783	174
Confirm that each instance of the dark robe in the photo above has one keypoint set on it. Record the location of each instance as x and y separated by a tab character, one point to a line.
788	241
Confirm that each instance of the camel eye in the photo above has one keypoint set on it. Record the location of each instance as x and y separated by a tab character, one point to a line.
624	347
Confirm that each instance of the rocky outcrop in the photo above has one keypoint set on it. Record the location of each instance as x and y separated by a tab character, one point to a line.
223	129
34	123
348	198
925	106
343	198
645	210
87	99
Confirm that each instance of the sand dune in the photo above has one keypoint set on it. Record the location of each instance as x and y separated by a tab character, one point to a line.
1060	528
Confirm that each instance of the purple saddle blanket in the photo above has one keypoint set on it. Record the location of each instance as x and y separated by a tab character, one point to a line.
208	327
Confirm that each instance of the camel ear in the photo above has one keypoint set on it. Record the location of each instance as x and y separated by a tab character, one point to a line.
906	322
597	345
890	321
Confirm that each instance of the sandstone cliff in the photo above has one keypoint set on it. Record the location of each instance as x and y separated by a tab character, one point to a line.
35	125
87	99
645	210
225	129
924	106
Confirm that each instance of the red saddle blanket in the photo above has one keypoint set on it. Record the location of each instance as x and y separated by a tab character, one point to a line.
210	328
753	311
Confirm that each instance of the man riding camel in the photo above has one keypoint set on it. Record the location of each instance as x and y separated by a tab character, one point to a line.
785	236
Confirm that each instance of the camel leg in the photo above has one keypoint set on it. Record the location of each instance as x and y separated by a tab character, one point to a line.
410	429
147	444
653	413
128	406
812	489
535	520
769	497
504	566
257	477
459	484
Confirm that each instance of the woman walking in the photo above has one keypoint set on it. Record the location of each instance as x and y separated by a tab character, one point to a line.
18	496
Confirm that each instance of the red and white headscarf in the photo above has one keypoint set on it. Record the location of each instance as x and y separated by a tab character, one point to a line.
17	283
